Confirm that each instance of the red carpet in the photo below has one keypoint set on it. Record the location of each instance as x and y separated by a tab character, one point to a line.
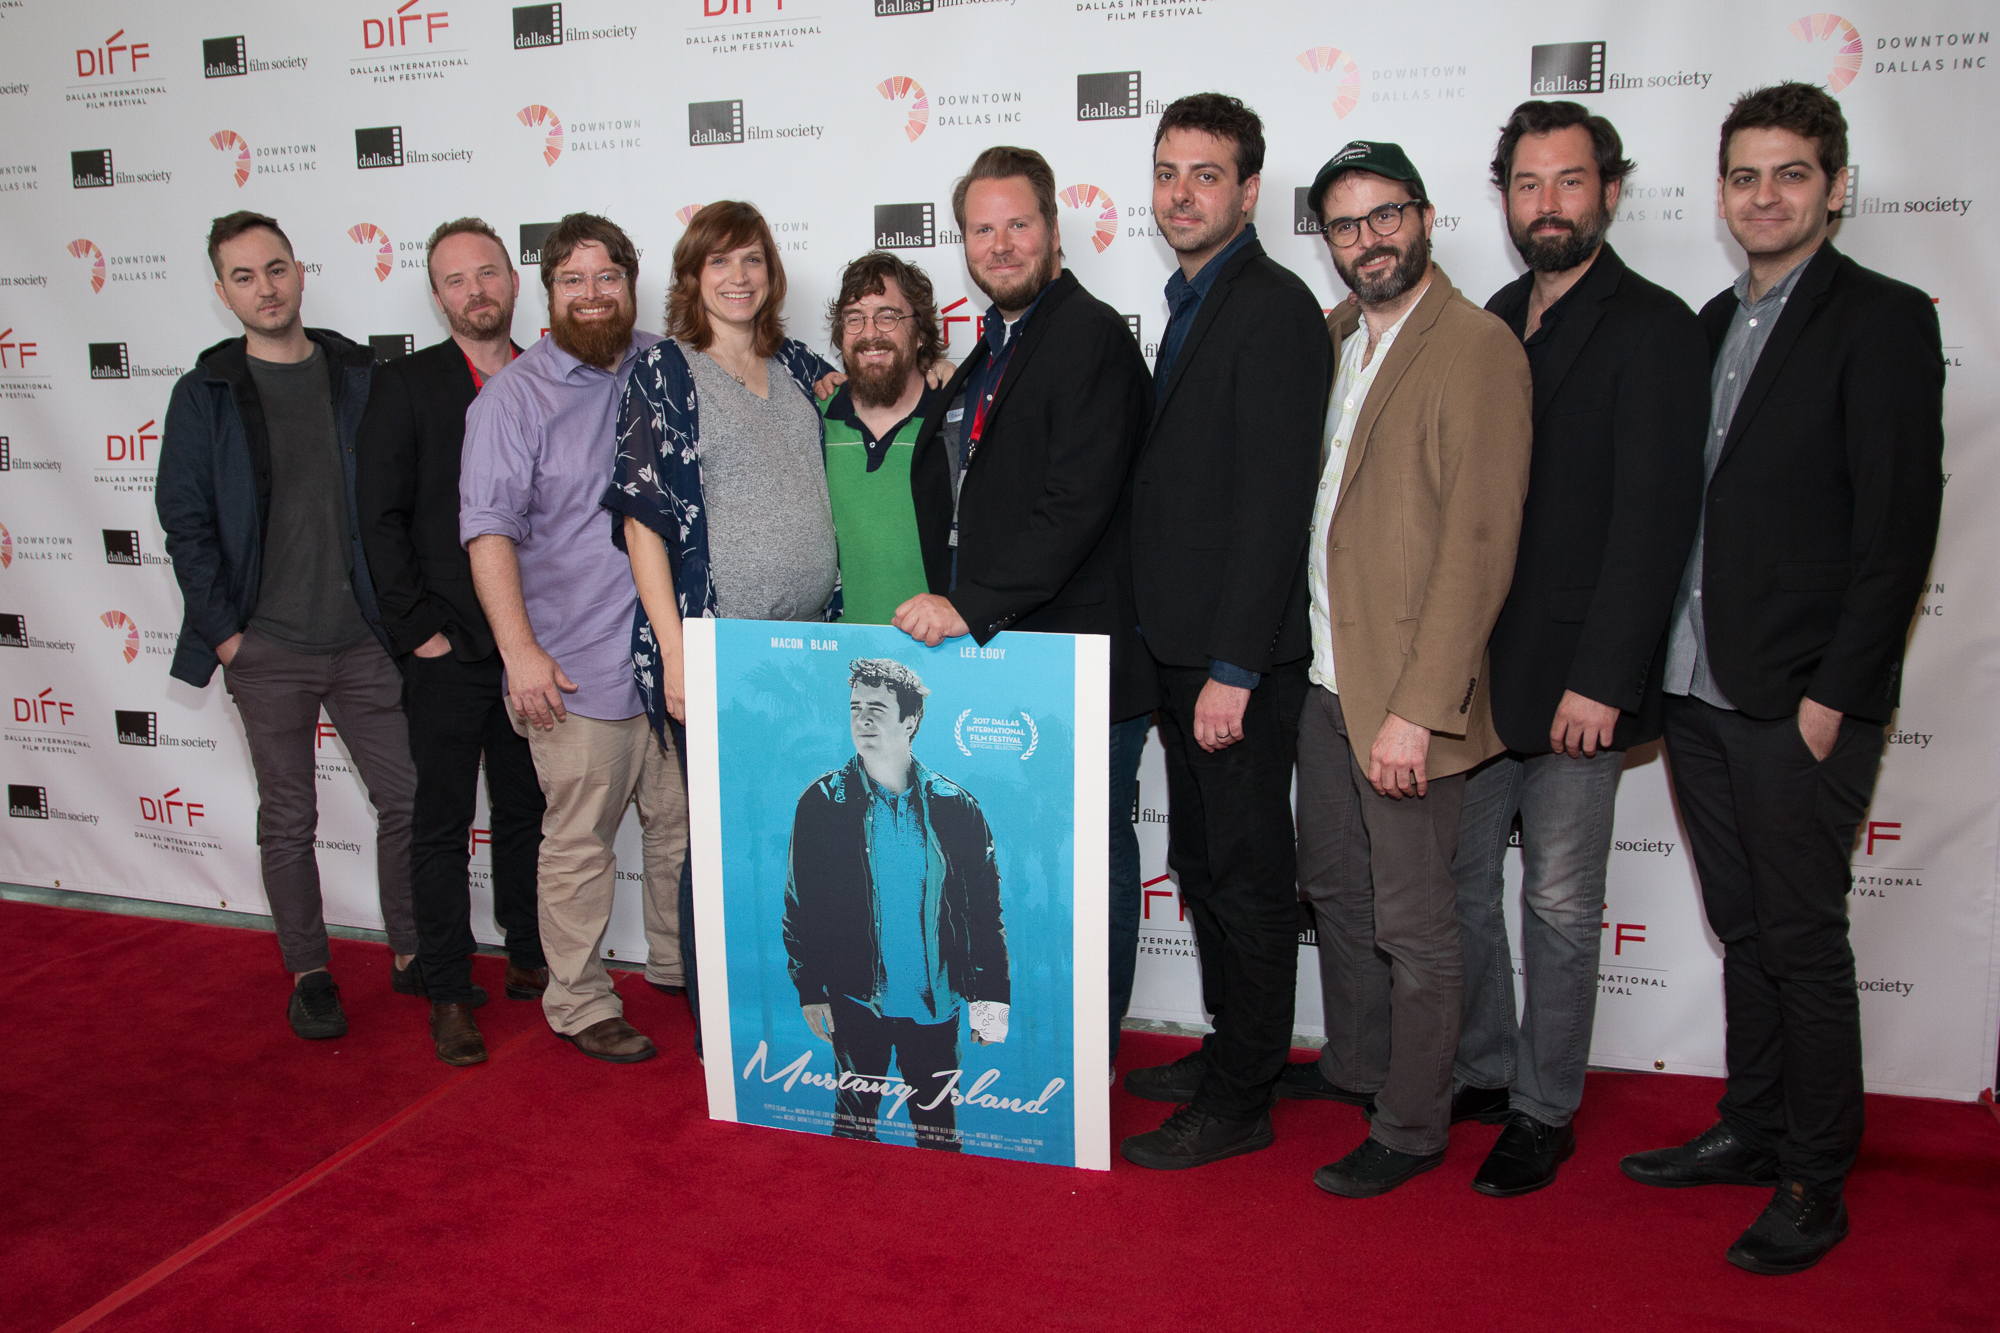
152	1093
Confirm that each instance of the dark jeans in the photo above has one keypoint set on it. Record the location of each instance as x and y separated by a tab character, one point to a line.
925	1054
1772	830
1229	838
1565	807
1377	872
279	694
1128	742
456	711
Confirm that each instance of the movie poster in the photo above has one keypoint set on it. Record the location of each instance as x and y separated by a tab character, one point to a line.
899	860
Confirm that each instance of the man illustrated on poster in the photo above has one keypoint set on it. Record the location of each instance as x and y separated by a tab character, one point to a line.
892	914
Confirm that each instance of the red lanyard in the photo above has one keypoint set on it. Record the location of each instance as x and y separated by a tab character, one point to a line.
479	380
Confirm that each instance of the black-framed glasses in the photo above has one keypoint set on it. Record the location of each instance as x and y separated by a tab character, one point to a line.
1384	220
885	321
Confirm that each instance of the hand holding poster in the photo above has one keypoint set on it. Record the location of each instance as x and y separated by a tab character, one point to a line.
899	870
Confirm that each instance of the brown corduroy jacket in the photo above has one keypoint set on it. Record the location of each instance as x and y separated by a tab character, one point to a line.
1420	552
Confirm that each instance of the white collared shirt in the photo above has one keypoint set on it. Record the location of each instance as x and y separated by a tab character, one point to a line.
1351	384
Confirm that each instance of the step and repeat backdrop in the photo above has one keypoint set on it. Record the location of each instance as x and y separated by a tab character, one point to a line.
361	124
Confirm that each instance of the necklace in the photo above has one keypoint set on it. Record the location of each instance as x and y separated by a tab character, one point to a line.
726	370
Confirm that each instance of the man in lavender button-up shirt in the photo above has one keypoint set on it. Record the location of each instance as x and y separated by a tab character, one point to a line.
539	445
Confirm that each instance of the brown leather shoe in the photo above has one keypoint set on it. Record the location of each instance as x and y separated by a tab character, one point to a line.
526	983
456	1035
614	1040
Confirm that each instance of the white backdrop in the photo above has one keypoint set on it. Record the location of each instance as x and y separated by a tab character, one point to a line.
131	125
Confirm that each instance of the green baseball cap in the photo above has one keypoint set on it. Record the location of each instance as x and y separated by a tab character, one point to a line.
1384	159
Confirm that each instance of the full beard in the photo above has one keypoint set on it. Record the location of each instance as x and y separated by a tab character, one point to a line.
595	342
878	386
1409	269
1022	294
482	323
1560	251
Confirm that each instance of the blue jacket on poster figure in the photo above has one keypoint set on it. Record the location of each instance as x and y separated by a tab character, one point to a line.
213	492
832	941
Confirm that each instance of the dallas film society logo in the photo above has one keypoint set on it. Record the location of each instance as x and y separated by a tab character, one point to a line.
92	169
1112	96
715	123
14	634
1567	68
532	236
905	226
227	58
135	726
112	361
382	146
537	26
10	461
121	547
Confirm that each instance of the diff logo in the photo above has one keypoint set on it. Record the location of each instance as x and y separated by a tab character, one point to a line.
42	710
1333	60
538	114
108	361
224	140
389	346
137	727
80	249
537	25
15	355
90	169
119	620
1108	96
1816	28
532	236
905	226
715	123
169	808
102	61
379	147
13	631
1567	67
363	233
1305	222
394	30
1093	200
27	802
223	58
901	86
130	448
121	546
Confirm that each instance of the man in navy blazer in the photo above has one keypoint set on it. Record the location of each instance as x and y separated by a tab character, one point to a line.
1824	455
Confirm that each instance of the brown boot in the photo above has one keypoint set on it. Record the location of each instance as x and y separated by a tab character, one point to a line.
457	1036
526	983
612	1039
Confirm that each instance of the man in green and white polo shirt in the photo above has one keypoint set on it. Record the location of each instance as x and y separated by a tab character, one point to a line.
885	323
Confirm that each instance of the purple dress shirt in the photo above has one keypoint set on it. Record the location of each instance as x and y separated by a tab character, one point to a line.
540	441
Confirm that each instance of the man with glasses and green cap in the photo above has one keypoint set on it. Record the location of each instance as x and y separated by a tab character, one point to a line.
1425	467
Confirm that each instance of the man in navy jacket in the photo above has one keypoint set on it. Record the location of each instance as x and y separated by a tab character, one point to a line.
256	495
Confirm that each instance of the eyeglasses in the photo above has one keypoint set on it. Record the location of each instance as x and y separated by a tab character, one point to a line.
1386	220
574	284
885	321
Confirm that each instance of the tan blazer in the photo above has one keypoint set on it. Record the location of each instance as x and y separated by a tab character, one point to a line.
1421	549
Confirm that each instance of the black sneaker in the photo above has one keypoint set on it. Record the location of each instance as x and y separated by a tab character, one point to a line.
1301	1080
315	1009
1373	1168
1795	1232
1489	1106
1193	1137
1176	1082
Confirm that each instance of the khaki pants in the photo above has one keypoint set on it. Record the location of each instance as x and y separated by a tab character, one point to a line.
589	771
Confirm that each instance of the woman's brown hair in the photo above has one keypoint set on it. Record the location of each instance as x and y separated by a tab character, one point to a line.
728	224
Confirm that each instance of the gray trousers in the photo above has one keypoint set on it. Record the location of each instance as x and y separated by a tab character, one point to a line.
279	694
1377	872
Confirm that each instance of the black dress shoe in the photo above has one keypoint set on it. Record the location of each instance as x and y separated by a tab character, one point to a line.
1524	1157
1193	1137
1176	1082
1489	1106
1795	1232
1373	1168
1302	1080
1713	1157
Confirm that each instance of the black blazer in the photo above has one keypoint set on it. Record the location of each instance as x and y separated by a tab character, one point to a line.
1823	510
406	490
1224	488
1043	511
1614	496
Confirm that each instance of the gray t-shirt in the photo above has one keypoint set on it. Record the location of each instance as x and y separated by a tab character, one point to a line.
305	599
770	525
